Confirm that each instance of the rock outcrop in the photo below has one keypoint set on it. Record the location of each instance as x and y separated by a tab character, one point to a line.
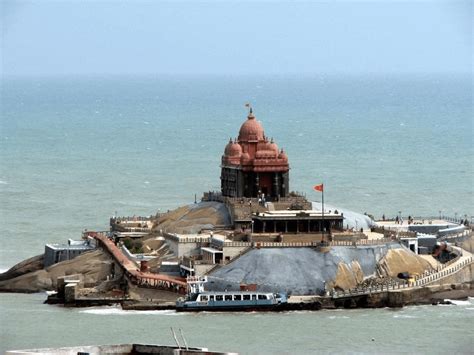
402	260
94	266
347	276
193	218
32	264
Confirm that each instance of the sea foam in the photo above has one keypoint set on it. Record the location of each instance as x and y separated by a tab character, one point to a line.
461	302
116	310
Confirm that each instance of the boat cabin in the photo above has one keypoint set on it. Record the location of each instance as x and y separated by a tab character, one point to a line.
232	297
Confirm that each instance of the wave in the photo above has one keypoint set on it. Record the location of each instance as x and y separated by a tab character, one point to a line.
468	302
339	317
404	316
117	310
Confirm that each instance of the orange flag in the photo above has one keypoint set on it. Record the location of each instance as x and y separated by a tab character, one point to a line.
319	187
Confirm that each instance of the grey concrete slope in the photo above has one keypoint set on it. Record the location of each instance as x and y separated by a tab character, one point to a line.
298	271
352	219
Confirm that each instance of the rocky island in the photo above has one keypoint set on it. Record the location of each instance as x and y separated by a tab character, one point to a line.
256	233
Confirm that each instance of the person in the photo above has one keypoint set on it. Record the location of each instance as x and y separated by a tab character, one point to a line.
383	217
396	220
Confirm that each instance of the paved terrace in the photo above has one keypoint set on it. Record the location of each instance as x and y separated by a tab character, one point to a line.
425	221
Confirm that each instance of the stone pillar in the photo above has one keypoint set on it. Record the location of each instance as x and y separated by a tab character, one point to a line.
240	184
257	184
70	292
285	185
276	185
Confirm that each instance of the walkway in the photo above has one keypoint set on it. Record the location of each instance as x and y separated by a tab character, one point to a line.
425	279
139	278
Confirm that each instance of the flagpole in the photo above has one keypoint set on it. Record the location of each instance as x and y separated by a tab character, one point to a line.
322	239
320	188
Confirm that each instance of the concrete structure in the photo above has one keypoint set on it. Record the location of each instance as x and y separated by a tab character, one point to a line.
121	349
55	253
186	244
134	275
253	166
296	221
67	287
411	243
130	227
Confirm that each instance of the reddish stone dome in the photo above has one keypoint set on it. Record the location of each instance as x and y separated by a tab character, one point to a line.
251	130
227	147
273	147
232	150
235	150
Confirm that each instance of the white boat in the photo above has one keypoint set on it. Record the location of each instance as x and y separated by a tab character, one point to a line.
200	300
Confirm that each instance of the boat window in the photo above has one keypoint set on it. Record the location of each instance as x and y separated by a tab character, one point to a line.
262	297
228	297
254	297
246	297
237	297
211	298
203	298
219	298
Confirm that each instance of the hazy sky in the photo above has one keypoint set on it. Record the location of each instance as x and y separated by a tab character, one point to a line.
128	37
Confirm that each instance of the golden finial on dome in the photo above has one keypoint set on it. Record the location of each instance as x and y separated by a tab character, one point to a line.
249	106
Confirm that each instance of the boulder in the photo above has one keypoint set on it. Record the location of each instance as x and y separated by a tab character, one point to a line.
94	266
193	218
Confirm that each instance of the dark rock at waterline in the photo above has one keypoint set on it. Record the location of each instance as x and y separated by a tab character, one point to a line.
32	264
94	266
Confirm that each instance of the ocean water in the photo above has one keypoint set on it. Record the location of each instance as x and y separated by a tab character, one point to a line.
73	151
420	330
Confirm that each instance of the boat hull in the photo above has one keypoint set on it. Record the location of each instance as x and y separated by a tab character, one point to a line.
233	308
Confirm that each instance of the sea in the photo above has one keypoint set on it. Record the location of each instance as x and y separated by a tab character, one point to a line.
75	151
